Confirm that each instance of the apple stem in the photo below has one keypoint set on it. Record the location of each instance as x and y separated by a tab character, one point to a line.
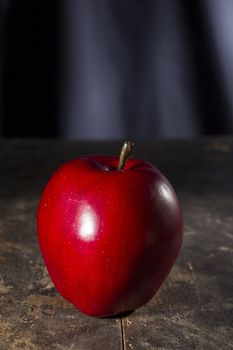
124	155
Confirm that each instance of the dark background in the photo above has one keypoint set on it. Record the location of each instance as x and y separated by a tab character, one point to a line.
89	69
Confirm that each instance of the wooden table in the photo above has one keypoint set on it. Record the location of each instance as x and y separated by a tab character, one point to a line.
193	309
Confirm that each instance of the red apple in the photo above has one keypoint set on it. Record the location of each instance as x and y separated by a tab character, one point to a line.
109	232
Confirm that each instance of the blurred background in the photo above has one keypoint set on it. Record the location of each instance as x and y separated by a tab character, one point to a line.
87	69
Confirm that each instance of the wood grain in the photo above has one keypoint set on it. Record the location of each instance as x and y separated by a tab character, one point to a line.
193	309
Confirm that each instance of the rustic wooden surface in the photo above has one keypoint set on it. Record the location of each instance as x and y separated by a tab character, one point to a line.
193	309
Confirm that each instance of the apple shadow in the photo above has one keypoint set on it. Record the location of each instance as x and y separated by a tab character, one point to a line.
120	315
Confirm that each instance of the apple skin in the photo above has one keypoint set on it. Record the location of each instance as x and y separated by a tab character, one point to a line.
108	237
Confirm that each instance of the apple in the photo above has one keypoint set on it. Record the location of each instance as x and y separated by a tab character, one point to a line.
110	230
